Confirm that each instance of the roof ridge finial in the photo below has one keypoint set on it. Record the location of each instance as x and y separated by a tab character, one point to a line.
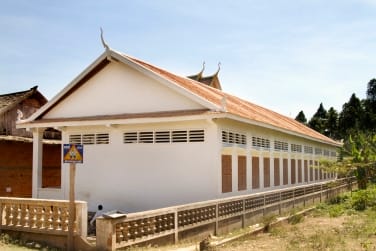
103	42
219	68
203	66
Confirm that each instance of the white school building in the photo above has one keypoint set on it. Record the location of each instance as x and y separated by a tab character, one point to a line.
154	139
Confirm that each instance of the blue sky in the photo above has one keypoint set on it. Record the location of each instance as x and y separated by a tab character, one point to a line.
284	55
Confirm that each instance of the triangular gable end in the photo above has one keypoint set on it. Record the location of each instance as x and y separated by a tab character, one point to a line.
120	89
113	84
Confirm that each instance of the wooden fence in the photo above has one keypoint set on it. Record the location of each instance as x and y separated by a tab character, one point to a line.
210	217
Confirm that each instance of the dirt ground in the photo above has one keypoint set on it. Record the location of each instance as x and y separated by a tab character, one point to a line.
313	233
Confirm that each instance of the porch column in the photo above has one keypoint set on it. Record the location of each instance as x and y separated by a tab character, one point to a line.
37	161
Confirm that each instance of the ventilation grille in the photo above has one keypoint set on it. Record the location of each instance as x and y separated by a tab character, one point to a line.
230	137
281	146
296	148
175	136
89	138
318	151
308	149
258	142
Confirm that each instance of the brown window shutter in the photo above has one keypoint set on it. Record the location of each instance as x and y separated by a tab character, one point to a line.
226	173
299	171
276	172
293	172
285	172
255	173
242	173
266	172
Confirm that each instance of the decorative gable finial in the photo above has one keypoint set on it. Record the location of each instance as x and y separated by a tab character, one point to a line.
219	68
103	42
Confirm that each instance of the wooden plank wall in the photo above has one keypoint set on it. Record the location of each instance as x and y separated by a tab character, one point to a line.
16	167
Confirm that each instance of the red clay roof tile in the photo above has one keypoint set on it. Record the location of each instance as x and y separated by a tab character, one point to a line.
235	105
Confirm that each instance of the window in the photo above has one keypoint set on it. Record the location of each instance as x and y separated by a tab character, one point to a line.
130	137
146	137
89	138
285	172
258	142
308	149
255	173
242	173
266	172
281	146
226	173
179	136
162	137
75	139
196	136
276	172
293	171
165	136
318	151
102	138
296	148
230	137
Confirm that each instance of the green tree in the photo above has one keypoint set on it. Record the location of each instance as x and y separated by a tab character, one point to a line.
318	120
369	120
351	117
301	117
332	124
359	155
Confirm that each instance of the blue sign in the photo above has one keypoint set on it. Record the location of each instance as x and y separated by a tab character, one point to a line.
73	153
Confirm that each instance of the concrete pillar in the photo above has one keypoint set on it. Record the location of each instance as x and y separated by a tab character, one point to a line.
37	161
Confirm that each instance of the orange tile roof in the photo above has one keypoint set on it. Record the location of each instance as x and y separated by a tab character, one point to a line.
235	105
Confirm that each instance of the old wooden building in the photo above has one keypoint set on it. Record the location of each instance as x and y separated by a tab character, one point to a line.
16	145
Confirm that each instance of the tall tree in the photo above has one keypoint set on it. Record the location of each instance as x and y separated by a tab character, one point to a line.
318	120
351	117
369	121
332	124
301	117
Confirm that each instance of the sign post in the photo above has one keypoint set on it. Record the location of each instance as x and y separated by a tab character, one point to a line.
72	154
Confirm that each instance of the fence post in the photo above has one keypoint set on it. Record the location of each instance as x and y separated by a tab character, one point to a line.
280	203
320	193
81	219
304	200
106	234
176	215
263	208
243	215
1	214
216	218
293	198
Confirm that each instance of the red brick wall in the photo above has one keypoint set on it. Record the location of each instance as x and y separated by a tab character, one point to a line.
16	167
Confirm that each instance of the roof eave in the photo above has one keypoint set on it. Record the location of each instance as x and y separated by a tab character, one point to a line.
71	85
275	128
112	122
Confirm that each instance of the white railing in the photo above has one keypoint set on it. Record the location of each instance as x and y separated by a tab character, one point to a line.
41	216
171	222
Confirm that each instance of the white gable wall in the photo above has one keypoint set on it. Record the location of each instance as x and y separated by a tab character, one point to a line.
135	177
119	89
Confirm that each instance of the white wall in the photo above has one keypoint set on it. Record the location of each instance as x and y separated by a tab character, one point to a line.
248	151
134	177
119	89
